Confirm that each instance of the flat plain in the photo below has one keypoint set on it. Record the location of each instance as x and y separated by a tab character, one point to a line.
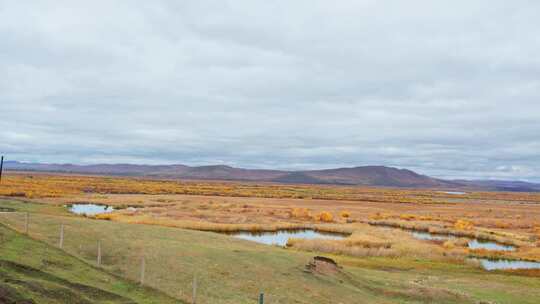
173	225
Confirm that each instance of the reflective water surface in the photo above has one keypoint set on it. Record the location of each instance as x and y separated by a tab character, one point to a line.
90	209
476	244
473	244
507	264
280	237
455	192
426	236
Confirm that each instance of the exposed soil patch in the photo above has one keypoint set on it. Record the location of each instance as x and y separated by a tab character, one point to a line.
323	265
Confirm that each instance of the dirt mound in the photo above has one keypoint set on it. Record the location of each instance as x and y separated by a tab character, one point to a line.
322	265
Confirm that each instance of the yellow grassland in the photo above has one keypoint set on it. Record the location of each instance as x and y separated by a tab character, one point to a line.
509	218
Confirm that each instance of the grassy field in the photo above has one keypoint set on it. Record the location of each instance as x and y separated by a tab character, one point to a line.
39	185
515	223
34	272
235	202
235	271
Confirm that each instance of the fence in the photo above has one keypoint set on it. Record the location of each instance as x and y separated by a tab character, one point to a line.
91	241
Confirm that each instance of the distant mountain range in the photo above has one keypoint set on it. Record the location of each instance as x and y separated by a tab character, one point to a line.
365	176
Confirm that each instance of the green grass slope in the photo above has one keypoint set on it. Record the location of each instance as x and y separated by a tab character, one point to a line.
34	272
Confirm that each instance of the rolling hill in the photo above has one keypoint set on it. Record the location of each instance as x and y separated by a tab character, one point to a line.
366	175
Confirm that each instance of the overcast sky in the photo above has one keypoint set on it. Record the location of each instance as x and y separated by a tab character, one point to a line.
446	88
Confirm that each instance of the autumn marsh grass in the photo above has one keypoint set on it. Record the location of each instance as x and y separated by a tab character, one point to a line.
270	208
366	241
480	234
46	185
234	207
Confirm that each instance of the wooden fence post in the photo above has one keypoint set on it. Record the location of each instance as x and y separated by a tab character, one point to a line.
1	167
143	269
261	298
99	253
194	294
26	222
61	243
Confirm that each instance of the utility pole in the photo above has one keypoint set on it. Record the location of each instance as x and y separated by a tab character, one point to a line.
1	167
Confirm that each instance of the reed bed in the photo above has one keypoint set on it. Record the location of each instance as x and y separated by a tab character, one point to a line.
42	185
436	228
234	207
371	242
201	225
222	227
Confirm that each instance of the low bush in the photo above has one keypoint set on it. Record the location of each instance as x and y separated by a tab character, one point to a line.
324	216
463	225
301	213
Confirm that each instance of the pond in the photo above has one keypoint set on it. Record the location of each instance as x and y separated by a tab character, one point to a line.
89	209
507	264
426	236
473	244
455	192
281	237
476	244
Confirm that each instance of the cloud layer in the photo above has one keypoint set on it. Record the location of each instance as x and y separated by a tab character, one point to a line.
447	89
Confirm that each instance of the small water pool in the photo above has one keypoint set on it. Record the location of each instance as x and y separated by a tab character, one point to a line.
472	244
426	236
455	192
507	264
476	244
89	209
280	238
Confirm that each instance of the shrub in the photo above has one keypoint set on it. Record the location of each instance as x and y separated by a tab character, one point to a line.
345	214
502	225
16	194
449	244
463	225
379	216
407	217
324	216
300	213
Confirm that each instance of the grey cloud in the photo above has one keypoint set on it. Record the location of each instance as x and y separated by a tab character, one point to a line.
447	89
